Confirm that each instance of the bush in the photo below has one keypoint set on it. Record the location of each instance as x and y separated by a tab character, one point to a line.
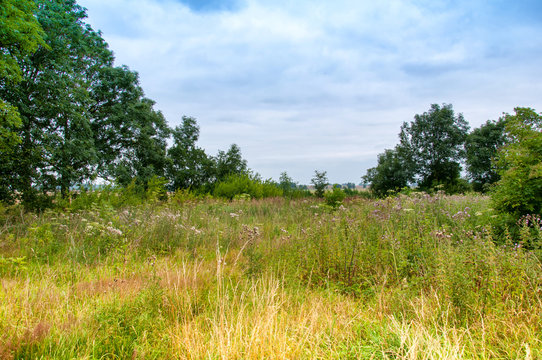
335	197
236	185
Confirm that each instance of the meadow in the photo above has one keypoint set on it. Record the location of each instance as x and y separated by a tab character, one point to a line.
407	277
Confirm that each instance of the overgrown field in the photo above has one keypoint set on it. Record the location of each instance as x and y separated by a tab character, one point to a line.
419	277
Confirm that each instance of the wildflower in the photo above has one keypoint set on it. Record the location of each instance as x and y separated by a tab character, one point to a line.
196	231
113	231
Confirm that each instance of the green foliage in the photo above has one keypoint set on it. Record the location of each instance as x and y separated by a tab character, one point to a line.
189	166
20	35
519	191
286	183
144	157
433	143
53	100
156	189
229	163
390	175
481	147
320	181
335	197
80	116
245	184
10	122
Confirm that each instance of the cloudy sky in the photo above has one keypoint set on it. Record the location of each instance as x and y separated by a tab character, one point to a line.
324	84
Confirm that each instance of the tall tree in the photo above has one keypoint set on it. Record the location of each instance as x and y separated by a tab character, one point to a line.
481	147
434	142
115	93
20	36
53	100
189	166
129	135
144	156
519	191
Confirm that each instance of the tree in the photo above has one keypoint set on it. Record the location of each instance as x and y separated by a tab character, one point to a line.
519	163
53	98
320	182
392	173
229	163
20	36
189	166
434	142
286	183
481	147
115	94
81	117
144	156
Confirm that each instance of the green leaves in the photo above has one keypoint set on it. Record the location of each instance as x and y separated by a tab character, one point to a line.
189	166
392	173
320	181
434	142
481	147
429	152
20	35
519	162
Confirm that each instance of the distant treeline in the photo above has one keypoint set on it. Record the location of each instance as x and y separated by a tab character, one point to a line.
70	117
502	157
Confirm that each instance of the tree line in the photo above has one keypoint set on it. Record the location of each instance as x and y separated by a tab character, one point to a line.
503	157
68	115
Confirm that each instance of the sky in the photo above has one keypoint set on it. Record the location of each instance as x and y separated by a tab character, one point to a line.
324	85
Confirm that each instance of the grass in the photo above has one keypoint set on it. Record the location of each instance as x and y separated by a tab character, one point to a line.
419	277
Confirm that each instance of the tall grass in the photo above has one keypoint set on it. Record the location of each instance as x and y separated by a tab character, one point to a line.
409	277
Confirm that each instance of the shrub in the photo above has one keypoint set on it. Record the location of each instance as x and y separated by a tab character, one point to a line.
335	197
236	185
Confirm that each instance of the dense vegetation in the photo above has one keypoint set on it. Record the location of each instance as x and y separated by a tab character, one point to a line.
180	254
69	116
419	276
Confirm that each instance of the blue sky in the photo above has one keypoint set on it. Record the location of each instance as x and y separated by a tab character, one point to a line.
304	85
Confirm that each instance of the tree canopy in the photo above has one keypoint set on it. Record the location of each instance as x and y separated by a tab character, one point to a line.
20	36
481	147
391	174
519	162
434	143
429	152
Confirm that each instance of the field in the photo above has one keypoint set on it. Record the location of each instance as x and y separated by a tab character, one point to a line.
410	277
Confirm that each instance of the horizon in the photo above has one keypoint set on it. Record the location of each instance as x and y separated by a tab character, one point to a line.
324	86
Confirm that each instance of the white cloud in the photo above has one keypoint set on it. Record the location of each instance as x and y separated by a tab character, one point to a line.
319	84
